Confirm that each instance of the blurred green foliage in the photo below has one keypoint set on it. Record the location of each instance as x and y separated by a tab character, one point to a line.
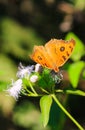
16	44
75	69
17	40
27	116
79	49
24	24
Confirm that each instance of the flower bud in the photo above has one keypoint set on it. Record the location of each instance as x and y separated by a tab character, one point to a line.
33	78
38	68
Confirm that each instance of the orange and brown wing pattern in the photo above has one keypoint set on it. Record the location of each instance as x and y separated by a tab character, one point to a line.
54	54
40	56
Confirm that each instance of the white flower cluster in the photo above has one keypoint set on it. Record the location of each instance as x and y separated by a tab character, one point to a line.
24	71
16	87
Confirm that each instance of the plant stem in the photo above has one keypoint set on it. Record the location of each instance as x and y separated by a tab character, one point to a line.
66	112
32	89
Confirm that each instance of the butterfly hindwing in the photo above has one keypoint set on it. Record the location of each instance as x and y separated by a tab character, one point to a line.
40	56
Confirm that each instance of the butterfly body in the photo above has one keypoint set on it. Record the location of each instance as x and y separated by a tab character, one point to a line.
54	54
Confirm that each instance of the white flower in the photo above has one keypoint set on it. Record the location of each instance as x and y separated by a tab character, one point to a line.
24	71
33	78
38	68
15	89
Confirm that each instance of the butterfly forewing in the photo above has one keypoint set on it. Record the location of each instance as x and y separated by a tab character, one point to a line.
64	50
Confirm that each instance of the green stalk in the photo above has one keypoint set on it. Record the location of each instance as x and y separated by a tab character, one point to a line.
33	89
66	112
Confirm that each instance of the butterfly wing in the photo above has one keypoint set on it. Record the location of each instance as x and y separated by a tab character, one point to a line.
59	51
50	48
40	56
64	49
54	54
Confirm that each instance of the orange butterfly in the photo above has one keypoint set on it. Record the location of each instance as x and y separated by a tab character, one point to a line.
54	54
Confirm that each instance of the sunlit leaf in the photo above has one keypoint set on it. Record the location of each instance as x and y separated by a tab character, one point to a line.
45	105
74	71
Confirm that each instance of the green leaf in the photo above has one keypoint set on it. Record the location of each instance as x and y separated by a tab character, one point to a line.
79	49
46	80
74	71
45	105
